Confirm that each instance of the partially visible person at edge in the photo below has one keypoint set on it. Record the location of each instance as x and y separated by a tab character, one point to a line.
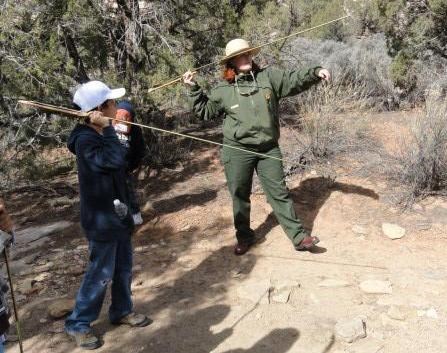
101	161
6	226
249	98
131	137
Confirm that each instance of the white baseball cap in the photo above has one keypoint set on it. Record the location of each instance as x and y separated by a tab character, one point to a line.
93	93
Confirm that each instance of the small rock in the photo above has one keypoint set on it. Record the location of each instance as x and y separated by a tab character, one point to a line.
376	287
393	231
332	283
360	230
137	268
43	321
28	286
154	246
351	330
82	247
42	277
60	308
162	243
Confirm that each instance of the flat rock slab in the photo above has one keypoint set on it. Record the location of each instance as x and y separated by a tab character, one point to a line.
281	291
255	290
31	234
376	287
350	330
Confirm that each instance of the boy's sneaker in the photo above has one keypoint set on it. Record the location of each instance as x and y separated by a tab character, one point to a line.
86	340
134	320
137	219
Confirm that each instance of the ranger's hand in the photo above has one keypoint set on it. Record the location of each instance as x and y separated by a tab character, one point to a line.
324	74
98	119
188	78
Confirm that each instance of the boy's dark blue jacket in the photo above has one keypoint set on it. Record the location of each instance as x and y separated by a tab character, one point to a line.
101	163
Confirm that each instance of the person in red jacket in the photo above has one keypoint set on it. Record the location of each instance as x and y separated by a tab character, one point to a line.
131	137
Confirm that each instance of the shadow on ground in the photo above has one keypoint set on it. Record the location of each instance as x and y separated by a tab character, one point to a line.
309	197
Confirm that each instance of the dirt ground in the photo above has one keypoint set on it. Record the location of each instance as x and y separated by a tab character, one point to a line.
204	299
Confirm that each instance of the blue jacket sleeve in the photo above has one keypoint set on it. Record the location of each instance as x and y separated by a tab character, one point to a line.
103	153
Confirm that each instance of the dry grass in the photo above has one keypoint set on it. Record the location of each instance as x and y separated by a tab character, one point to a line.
420	167
332	123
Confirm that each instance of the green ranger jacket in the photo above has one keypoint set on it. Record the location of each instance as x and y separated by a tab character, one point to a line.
250	105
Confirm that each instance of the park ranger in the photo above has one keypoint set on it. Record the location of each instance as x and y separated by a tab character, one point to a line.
249	96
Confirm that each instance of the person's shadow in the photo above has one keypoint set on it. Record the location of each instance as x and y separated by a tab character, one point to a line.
278	341
308	199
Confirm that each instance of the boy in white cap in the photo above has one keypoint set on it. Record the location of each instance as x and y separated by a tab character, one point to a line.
101	161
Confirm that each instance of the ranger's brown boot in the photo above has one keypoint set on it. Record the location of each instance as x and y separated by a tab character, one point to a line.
242	248
307	243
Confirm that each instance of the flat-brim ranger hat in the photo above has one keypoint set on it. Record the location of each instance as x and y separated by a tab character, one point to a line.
92	94
236	47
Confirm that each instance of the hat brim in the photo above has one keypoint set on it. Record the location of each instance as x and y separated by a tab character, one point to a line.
253	52
116	93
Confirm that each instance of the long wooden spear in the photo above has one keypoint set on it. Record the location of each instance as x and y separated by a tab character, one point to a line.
77	114
217	62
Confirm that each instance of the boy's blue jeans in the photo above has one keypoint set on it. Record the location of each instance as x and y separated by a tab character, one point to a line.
109	262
